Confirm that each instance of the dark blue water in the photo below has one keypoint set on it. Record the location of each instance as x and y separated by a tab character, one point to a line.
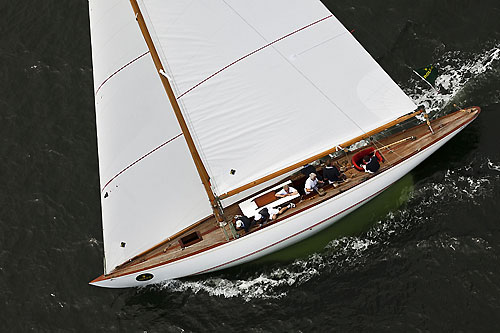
425	258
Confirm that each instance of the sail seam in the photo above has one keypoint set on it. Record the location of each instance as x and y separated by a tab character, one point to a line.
253	52
297	69
140	159
119	69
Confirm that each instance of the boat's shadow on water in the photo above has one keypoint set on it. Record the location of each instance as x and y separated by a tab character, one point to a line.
407	233
342	247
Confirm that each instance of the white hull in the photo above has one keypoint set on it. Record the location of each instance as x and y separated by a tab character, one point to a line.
281	234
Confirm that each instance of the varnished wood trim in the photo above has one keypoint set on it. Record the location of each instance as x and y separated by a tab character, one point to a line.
176	245
369	176
104	277
162	243
317	156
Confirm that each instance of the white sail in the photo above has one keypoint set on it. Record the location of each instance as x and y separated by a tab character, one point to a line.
150	186
265	84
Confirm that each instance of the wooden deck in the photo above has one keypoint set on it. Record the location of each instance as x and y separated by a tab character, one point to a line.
213	235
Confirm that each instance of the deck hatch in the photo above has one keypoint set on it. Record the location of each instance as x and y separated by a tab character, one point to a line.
190	239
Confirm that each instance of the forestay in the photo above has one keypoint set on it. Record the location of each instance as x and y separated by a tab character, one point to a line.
150	186
266	84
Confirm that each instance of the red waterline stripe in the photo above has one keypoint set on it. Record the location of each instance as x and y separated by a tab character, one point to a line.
251	53
129	63
128	167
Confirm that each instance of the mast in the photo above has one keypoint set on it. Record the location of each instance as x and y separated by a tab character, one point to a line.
317	156
205	178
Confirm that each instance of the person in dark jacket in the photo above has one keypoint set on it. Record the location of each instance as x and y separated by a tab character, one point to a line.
371	164
331	173
308	169
243	223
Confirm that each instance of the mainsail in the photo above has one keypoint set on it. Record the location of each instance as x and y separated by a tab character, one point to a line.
266	84
262	85
150	186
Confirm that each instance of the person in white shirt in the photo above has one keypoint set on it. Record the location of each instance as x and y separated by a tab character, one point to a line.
312	184
273	212
286	191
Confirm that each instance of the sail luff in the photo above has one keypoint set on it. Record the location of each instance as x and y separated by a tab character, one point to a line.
173	101
317	156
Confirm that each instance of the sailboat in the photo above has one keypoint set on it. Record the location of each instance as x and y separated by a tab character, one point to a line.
205	109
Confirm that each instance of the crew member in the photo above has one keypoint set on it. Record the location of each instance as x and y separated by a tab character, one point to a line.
243	223
312	184
331	173
371	164
286	191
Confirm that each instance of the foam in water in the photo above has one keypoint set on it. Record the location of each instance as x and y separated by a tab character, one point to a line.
273	284
493	166
462	184
93	242
457	69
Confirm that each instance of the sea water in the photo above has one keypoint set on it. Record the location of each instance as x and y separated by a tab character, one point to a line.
422	256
